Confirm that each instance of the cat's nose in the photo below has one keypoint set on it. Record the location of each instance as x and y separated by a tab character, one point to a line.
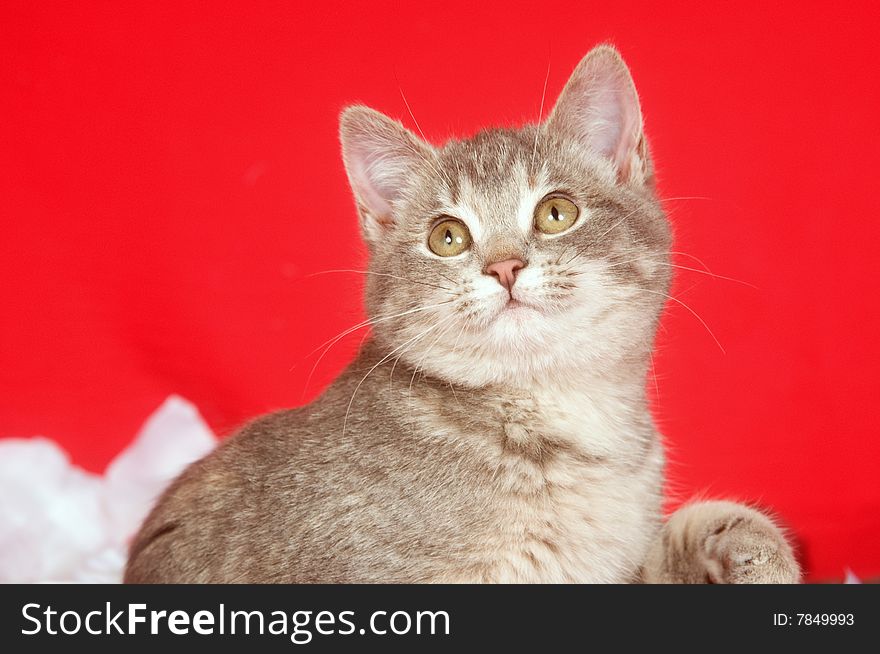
505	271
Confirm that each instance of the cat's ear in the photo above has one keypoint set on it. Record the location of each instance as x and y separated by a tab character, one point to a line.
599	107
380	155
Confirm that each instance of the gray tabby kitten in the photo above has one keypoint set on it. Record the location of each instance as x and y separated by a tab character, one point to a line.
495	427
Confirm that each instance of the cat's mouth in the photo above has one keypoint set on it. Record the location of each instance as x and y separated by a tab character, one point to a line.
517	308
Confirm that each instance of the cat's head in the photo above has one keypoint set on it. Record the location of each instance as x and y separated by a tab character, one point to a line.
515	255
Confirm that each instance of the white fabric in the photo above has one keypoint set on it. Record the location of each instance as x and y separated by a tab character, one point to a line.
61	523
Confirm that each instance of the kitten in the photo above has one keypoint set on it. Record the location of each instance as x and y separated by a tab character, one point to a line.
495	427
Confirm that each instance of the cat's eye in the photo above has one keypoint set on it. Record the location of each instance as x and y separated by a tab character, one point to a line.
555	214
449	237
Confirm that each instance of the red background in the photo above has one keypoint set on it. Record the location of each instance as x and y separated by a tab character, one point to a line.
169	177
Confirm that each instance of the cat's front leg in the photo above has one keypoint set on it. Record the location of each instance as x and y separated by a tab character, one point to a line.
721	543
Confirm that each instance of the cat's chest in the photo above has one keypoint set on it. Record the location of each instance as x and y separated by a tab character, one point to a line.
592	423
571	507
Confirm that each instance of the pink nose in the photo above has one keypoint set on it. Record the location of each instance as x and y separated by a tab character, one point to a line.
505	271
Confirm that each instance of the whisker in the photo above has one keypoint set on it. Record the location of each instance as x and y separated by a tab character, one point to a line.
433	163
371	321
342	334
685	197
654	375
458	338
454	395
398	357
447	278
408	109
332	342
607	231
574	255
690	256
694	313
711	274
366	323
383	360
379	274
675	265
541	110
439	335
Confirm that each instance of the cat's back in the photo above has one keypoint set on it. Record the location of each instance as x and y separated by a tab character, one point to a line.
205	520
337	491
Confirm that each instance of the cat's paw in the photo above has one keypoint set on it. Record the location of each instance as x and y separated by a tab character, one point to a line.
745	547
